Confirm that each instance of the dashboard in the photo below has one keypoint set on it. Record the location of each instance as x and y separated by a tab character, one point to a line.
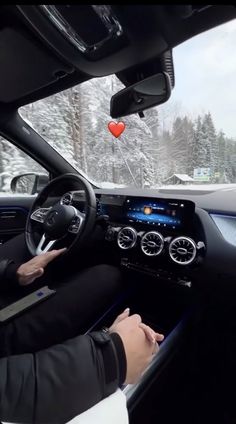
178	233
147	233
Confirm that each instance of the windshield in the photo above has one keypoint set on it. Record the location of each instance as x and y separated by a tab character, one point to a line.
190	140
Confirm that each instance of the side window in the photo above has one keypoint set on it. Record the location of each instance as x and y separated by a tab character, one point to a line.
19	173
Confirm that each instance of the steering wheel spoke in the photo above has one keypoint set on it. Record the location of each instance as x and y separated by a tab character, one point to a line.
42	247
39	215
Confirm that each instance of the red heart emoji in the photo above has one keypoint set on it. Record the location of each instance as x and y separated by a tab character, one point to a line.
116	128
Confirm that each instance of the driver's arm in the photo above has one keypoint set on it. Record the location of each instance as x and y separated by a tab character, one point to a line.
12	274
34	268
56	384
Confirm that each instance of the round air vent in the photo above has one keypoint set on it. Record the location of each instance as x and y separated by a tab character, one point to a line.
66	199
152	243
182	250
126	238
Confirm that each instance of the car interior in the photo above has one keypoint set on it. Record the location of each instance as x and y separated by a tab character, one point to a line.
179	275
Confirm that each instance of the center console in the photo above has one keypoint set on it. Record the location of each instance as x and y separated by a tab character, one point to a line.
161	237
155	236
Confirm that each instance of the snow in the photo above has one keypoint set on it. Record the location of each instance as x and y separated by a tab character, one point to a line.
106	184
200	187
182	177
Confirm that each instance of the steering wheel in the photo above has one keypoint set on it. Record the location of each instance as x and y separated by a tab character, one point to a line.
60	225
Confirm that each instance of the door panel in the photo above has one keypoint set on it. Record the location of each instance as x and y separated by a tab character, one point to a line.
15	205
13	214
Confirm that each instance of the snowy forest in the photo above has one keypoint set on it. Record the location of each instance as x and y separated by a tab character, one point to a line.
149	151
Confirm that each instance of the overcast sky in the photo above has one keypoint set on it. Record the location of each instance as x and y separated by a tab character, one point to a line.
205	75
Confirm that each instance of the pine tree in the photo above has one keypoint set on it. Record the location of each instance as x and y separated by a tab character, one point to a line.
212	145
230	160
152	122
179	145
189	131
206	143
222	158
199	149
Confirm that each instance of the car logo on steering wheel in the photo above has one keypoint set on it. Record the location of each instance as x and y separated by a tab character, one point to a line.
51	218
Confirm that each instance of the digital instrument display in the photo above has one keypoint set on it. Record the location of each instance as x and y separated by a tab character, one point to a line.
169	213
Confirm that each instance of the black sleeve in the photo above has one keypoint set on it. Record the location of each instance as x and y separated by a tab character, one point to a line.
55	385
8	277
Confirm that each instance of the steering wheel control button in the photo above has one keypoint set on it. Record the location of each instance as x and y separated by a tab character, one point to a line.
39	214
75	225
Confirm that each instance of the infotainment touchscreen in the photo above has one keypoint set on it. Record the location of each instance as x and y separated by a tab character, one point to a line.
169	213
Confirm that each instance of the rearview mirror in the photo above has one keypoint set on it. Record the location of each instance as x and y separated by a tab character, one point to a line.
29	183
142	95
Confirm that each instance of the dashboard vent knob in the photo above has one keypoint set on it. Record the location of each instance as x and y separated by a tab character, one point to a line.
152	243
66	199
183	250
127	238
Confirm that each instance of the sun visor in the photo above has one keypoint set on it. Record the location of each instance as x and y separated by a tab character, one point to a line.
26	65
